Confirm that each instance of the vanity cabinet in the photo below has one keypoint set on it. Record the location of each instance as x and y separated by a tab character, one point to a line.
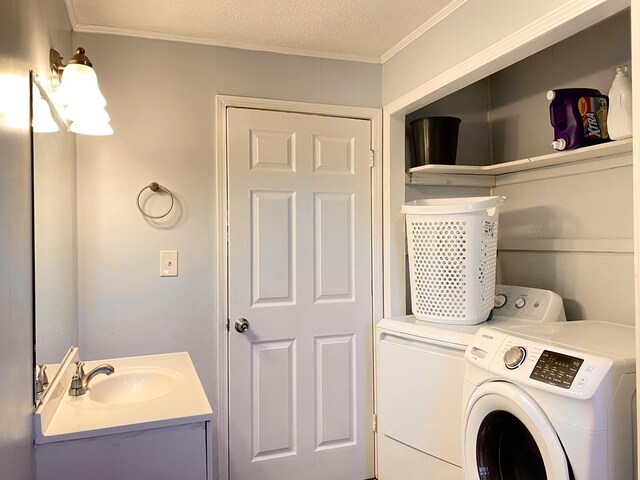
171	453
149	419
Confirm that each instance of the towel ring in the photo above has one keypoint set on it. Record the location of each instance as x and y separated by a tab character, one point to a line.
154	187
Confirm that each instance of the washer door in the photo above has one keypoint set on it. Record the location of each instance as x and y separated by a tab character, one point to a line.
507	436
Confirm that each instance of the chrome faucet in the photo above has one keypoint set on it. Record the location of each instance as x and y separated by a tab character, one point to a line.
80	381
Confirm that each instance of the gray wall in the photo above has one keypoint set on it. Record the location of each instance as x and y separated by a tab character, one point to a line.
28	28
573	209
471	105
161	101
519	113
467	31
506	116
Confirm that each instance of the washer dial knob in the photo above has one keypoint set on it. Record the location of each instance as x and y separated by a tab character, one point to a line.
500	300
514	357
520	302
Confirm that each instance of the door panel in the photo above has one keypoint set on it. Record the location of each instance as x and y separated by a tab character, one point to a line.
301	376
272	227
273	383
333	154
335	395
334	235
273	150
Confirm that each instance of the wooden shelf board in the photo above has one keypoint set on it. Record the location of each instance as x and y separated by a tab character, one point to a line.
552	159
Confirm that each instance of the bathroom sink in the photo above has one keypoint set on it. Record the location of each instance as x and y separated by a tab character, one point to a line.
132	385
143	393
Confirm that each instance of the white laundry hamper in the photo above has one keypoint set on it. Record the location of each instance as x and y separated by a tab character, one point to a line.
452	245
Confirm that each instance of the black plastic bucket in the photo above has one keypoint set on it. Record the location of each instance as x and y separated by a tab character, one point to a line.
435	140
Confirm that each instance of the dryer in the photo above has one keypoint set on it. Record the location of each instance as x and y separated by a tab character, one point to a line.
420	370
552	401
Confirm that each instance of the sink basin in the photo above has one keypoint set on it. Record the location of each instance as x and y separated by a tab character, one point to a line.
144	392
132	385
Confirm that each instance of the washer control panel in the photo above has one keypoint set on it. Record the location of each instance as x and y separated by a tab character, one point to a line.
524	303
537	364
556	368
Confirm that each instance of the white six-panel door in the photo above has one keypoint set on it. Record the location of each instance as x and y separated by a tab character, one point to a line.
301	375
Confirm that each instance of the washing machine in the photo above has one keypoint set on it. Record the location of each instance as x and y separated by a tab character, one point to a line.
420	370
552	401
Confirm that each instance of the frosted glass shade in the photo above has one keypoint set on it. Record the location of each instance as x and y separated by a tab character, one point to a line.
83	112
79	85
90	127
89	120
83	101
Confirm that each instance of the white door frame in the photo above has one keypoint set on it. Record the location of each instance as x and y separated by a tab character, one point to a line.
222	103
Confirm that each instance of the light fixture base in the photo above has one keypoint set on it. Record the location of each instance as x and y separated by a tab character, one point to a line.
80	58
56	66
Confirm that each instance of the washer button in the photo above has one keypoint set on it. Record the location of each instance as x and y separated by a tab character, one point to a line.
514	357
521	302
500	300
581	382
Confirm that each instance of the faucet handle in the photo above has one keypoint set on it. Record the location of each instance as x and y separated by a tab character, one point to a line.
42	375
41	379
80	369
77	385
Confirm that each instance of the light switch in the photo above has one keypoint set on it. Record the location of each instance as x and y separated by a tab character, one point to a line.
168	263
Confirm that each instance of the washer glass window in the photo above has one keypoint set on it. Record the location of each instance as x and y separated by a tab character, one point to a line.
507	436
506	450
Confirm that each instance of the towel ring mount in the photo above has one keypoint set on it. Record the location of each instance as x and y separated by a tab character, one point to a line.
155	187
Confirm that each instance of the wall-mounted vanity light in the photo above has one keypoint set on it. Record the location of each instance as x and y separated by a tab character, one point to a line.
76	90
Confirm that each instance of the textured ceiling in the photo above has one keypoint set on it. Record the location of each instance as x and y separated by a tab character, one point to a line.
367	28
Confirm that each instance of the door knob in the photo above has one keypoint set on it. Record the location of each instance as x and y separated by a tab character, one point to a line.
242	325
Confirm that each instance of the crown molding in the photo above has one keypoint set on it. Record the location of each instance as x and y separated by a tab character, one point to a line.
432	22
71	13
129	32
547	30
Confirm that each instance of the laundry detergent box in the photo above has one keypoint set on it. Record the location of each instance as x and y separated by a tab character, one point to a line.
578	117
